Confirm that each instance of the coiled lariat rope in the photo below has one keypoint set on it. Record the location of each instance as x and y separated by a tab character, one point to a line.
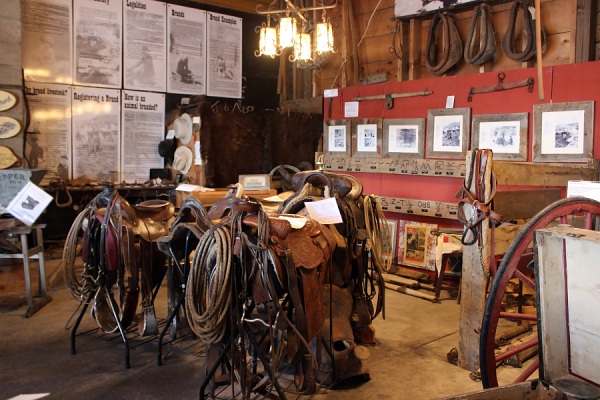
208	291
377	232
76	284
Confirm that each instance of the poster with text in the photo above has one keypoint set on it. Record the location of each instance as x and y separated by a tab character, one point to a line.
144	45
224	67
405	8
48	143
96	127
186	55
416	244
98	31
47	40
142	130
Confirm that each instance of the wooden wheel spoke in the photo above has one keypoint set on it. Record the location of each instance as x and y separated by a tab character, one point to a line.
528	371
519	316
517	349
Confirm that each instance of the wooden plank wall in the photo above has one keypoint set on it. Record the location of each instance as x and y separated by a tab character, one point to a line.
560	20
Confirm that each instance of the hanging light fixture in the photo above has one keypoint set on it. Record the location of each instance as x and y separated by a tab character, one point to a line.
324	35
288	28
302	47
295	30
267	44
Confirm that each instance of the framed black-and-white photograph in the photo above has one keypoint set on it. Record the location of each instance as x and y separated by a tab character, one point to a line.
563	132
504	134
366	138
337	140
448	133
403	138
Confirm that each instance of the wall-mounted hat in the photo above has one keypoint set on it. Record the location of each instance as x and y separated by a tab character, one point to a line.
166	149
183	159
183	128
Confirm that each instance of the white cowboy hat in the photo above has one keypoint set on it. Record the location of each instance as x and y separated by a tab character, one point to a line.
183	159
183	128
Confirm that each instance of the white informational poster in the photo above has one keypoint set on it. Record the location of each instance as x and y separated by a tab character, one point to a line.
47	40
224	68
49	137
186	55
144	45
96	127
143	128
98	47
405	8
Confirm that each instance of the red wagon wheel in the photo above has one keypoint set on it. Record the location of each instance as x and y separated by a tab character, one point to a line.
508	269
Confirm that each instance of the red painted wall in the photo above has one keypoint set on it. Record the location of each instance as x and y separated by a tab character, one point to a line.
564	83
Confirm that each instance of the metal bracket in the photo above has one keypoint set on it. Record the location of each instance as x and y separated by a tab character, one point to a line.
502	86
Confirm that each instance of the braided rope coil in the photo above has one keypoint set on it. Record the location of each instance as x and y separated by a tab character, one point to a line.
208	292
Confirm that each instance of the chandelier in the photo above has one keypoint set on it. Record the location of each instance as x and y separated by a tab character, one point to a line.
311	41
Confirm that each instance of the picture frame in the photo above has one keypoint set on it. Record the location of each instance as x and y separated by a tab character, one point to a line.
563	132
389	252
255	182
366	137
448	133
337	137
403	138
505	134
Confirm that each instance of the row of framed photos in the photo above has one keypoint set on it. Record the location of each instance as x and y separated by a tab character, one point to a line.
563	132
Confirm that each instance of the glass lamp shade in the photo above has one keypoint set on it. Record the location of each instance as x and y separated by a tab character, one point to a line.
303	47
268	41
324	37
287	32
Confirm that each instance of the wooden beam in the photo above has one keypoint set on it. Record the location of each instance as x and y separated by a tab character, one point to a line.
542	174
414	52
585	30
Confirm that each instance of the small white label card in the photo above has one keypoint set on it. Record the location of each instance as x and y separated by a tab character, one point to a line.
29	203
324	211
351	109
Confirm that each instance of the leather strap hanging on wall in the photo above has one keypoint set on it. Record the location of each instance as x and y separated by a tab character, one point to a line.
480	45
451	45
528	33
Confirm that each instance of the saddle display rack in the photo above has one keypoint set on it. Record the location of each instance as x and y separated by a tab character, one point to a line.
256	292
110	248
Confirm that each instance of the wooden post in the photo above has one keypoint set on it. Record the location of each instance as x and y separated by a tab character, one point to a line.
474	282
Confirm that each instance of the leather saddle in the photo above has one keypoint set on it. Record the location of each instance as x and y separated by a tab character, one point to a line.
528	48
442	26
128	239
480	51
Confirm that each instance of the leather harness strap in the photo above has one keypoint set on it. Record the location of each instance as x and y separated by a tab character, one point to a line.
528	33
486	46
451	44
482	209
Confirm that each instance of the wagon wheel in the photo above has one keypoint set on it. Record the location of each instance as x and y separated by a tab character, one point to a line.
508	269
